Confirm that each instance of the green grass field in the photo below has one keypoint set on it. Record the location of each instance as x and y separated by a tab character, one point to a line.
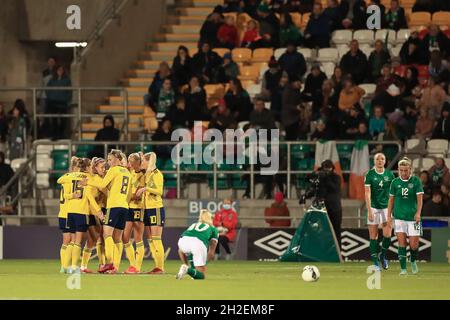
39	279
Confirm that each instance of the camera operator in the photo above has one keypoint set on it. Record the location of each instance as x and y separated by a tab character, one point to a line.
329	190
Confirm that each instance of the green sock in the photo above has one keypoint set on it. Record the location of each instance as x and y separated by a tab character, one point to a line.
373	247
191	261
385	246
402	257
414	254
194	273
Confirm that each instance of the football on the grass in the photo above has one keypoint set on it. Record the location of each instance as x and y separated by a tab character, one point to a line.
310	274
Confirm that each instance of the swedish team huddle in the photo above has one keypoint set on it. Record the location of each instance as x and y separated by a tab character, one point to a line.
106	203
394	200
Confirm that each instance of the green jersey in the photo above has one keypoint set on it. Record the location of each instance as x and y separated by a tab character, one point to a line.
202	231
405	197
379	184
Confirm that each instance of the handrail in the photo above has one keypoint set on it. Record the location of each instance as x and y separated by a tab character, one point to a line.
16	175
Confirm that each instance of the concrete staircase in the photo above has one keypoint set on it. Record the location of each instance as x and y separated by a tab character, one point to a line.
182	28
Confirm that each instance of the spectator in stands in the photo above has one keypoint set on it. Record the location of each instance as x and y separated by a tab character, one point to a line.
426	6
442	129
426	184
178	114
377	123
412	52
3	128
251	8
410	119
276	97
444	77
238	101
363	132
435	207
206	63
322	131
385	80
292	61
232	6
269	24
377	60
228	34
288	31
390	100
353	14
166	97
350	123
182	66
445	189
411	81
437	64
314	81
195	99
163	133
149	121
395	17
350	95
163	73
354	63
317	32
47	74
424	125
58	102
439	173
338	80
271	79
433	98
228	70
226	220
333	15
108	133
221	117
6	172
251	35
325	104
260	117
278	209
292	109
18	128
209	29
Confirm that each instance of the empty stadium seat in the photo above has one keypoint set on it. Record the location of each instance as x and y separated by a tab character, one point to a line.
366	50
383	33
328	55
417	19
415	146
16	163
307	53
278	52
342	37
42	180
249	73
241	54
262	55
328	68
364	36
44	163
441	18
447	162
420	164
395	51
221	51
369	88
342	49
439	146
262	71
402	35
214	90
254	90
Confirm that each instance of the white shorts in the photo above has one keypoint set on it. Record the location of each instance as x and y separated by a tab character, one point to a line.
411	228
192	245
379	216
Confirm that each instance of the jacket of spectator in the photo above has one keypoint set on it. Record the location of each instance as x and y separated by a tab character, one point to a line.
412	52
349	98
318	28
424	125
278	209
63	97
293	63
162	74
3	124
313	83
357	14
350	124
289	33
208	32
439	173
261	118
206	64
356	65
442	129
376	62
334	18
433	98
196	107
438	40
182	69
239	104
108	133
269	24
228	36
178	114
6	172
435	207
272	77
227	219
396	20
228	70
291	99
221	117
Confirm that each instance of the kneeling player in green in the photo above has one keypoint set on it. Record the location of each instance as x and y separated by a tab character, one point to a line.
405	202
200	241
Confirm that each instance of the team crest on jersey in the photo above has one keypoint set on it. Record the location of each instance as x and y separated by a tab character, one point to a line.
386	178
410	185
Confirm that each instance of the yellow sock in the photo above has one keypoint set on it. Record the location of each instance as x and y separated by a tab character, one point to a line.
109	249
86	256
159	252
76	253
151	245
62	255
101	253
140	252
68	256
118	254
130	253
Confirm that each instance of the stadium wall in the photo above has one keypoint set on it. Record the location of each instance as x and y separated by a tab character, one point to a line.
252	243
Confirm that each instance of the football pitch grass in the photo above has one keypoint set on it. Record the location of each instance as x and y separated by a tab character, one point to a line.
40	279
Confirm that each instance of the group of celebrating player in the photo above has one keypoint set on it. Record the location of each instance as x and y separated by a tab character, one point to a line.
103	203
394	202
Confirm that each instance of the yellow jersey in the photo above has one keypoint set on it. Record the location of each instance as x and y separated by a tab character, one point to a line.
65	195
86	203
100	195
154	183
138	181
118	181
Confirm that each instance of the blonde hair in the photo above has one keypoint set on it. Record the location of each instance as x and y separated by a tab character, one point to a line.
405	162
116	154
148	157
379	154
205	217
73	163
124	160
94	163
134	157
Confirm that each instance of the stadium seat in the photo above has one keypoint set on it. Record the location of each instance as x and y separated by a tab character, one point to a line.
415	146
242	124
242	20
328	55
447	162
278	52
215	91
241	54
42	180
395	51
426	163
262	71
367	50
342	49
16	163
328	68
437	146
44	162
307	53
341	37
296	19
417	19
441	18
364	36
262	55
221	51
369	88
305	19
383	33
249	73
402	36
247	83
254	90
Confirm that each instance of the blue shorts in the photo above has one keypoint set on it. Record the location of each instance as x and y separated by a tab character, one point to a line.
63	225
77	222
116	218
135	215
154	217
93	220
